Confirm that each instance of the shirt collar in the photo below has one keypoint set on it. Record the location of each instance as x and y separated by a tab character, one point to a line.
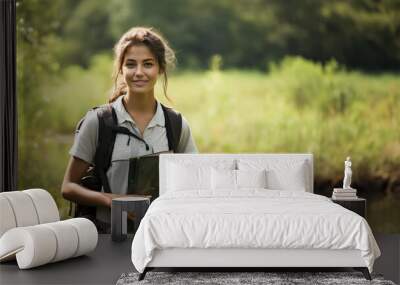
123	115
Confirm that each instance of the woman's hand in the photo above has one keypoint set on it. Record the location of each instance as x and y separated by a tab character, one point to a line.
73	191
109	197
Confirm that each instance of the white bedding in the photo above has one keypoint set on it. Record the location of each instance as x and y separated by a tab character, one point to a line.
250	218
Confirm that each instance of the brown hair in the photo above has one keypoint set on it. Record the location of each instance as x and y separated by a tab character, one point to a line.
164	55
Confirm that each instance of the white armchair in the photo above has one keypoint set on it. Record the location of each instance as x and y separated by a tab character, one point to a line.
31	230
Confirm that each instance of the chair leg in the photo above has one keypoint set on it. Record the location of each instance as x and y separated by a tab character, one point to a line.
364	271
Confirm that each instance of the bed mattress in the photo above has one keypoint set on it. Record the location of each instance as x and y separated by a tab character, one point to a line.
250	219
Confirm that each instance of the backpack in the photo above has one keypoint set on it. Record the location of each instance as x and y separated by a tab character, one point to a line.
96	176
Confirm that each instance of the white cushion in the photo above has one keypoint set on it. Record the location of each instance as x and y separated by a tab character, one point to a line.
183	177
292	179
23	208
87	235
226	179
223	179
278	162
67	240
40	244
7	218
281	174
26	208
251	178
46	207
34	244
192	174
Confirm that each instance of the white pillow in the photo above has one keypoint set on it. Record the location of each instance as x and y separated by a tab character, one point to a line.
289	179
251	178
235	179
223	179
281	174
183	177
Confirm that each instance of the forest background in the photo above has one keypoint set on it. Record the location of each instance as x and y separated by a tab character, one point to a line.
253	76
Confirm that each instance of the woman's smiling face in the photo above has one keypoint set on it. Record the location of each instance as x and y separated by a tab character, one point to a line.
140	69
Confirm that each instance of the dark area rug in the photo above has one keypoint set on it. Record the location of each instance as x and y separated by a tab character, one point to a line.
230	278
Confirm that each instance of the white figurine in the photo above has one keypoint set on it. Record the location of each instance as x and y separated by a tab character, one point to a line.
347	174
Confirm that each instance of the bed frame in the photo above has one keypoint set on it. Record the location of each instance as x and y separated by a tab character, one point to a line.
262	258
250	258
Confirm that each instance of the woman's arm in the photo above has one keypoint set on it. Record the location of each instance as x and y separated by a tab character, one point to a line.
73	191
82	152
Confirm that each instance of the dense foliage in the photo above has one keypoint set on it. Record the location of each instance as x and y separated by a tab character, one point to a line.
359	33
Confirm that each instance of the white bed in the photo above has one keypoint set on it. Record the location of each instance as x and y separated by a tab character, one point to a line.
247	210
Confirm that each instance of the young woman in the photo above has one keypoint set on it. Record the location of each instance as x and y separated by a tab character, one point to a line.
141	57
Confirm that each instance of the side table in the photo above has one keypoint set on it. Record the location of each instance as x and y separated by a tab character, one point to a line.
119	214
357	205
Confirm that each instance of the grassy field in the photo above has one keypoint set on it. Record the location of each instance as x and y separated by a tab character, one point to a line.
297	106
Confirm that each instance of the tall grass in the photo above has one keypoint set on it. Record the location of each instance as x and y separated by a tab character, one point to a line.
299	106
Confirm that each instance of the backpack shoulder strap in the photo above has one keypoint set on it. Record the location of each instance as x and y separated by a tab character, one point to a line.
79	125
106	139
173	125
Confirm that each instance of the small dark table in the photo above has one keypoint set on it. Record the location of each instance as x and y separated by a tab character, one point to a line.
119	212
357	205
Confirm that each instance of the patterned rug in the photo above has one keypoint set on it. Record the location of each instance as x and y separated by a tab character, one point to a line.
242	278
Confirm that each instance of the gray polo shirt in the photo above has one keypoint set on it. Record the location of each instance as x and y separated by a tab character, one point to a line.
126	147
